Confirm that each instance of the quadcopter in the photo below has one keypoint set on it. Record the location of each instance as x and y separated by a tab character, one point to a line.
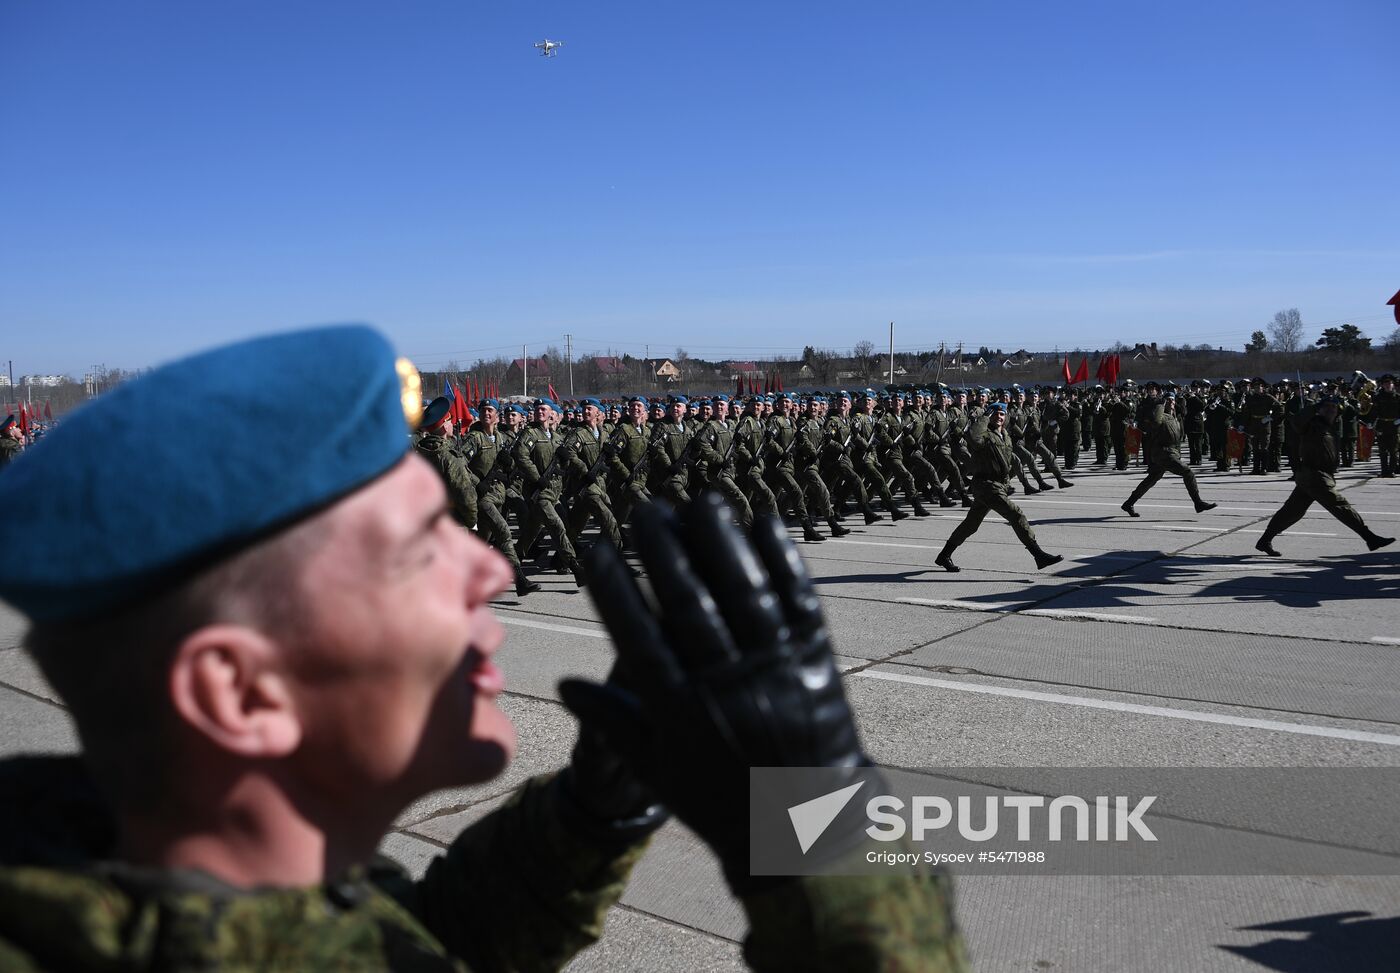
548	48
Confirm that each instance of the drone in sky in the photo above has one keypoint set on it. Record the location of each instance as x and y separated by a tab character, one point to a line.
548	48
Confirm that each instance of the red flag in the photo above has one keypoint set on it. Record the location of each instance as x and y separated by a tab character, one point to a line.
780	381
1082	375
1101	372
1068	380
1114	366
767	382
739	385
552	396
48	409
23	420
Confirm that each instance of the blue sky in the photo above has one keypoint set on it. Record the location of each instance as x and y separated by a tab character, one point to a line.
739	179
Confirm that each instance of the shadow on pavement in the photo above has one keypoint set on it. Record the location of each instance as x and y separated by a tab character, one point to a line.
1356	942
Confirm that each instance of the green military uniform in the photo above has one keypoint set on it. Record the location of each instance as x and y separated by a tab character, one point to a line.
805	456
1040	426
715	469
1385	413
1348	431
939	433
489	467
751	439
992	465
1162	439
448	461
1314	482
670	476
1120	411
1016	432
1195	424
629	482
917	461
1220	415
542	479
865	460
780	470
837	466
890	433
1102	428
586	453
525	888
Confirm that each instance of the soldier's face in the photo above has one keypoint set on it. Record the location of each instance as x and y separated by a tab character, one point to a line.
591	415
638	412
489	418
677	411
722	411
394	686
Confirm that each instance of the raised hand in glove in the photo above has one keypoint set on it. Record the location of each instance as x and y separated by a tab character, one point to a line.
731	668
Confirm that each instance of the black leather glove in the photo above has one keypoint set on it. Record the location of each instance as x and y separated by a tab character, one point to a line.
732	669
616	804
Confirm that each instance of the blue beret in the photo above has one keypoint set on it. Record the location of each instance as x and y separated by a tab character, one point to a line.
843	394
996	406
435	411
721	398
548	402
489	404
590	401
677	399
170	472
636	398
518	409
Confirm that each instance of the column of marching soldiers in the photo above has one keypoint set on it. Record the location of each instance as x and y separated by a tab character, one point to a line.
552	470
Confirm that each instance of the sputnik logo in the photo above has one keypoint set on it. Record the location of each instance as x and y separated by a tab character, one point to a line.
811	818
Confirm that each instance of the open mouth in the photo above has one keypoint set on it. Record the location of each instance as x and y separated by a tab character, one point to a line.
486	678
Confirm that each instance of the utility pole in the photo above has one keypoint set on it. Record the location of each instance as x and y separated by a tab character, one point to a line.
524	371
891	352
569	357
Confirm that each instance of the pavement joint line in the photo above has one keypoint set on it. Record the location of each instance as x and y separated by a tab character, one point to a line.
552	627
673	922
1091	615
1196	716
35	696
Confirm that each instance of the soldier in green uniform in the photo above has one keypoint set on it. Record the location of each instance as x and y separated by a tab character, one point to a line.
541	475
436	444
1014	400
1068	418
628	462
1194	421
1385	415
864	456
1219	417
836	464
489	463
1259	408
941	432
1349	426
1100	425
714	469
992	462
1162	438
890	433
916	459
780	466
586	456
11	441
750	444
1315	482
671	452
267	664
1042	432
806	456
1120	413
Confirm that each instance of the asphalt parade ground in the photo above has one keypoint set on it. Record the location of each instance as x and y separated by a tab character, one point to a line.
1164	641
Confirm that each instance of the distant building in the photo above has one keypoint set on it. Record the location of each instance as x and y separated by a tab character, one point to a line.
608	366
41	381
664	370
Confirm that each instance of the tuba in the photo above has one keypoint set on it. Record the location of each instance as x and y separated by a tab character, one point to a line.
1363	388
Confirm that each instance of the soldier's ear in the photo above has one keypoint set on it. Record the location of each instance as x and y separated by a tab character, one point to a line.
227	684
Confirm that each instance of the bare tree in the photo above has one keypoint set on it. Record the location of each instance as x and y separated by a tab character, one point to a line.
1286	330
864	355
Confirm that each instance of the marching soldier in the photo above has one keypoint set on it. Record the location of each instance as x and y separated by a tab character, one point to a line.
836	464
1194	420
864	456
1040	434
1162	435
811	438
627	463
670	453
715	468
1259	408
539	464
489	462
992	465
1315	483
779	465
890	432
587	454
1018	417
1385	414
436	445
750	444
1120	413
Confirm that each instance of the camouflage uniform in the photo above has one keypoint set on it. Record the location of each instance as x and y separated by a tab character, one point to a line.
461	491
629	482
669	475
1162	435
715	469
582	451
751	439
534	456
9	450
992	464
489	467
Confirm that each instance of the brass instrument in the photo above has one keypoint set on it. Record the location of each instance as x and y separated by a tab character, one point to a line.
1363	388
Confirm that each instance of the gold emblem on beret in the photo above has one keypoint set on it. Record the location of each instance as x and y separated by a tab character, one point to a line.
410	392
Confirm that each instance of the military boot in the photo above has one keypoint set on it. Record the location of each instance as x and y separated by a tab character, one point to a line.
871	516
523	585
945	561
1264	546
1044	560
809	531
1375	542
836	529
1063	483
897	515
920	510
